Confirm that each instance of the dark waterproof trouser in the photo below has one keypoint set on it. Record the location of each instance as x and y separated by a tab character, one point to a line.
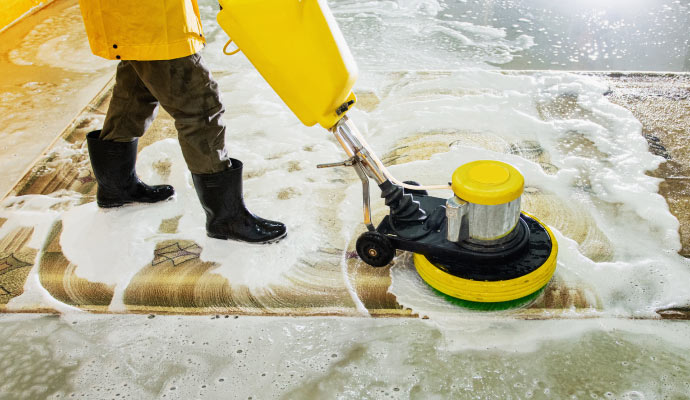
187	91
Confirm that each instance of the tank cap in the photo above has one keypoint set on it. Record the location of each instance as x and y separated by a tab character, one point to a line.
487	182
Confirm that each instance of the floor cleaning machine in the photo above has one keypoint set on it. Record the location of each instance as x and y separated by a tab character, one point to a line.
476	247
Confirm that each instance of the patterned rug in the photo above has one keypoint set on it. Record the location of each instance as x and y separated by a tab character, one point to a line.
36	276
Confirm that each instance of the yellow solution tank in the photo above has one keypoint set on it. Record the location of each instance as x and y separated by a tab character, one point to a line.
298	48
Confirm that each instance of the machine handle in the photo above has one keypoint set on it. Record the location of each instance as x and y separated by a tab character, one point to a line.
225	49
347	163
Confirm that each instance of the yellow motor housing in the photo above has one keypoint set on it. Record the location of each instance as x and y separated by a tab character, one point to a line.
297	47
487	182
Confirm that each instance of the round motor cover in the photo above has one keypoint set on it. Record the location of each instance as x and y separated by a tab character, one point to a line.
487	182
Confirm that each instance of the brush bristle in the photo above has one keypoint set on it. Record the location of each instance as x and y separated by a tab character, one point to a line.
501	306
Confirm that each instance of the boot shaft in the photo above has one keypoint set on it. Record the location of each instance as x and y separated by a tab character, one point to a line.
227	217
114	166
220	193
113	163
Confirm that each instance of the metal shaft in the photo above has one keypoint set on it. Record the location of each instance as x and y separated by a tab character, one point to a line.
344	134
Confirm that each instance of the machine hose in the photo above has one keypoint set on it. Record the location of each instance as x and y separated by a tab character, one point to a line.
403	207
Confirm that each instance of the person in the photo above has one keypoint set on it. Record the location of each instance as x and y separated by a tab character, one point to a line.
158	44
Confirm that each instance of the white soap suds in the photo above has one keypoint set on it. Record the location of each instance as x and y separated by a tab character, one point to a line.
643	274
646	272
39	213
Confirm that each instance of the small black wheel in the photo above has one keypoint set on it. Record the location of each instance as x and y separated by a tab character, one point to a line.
412	191
375	249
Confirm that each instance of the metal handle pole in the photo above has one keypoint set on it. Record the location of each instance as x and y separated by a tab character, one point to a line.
360	159
343	133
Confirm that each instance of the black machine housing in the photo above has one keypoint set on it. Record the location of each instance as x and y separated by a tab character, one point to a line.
417	222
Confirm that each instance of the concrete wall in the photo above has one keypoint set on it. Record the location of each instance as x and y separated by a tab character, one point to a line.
11	10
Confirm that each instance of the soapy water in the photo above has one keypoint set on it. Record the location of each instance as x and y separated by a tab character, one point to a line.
610	35
645	272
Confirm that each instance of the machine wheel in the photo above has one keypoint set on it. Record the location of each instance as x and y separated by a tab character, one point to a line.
412	191
375	249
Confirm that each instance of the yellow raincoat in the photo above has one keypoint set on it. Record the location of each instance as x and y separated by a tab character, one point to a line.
143	30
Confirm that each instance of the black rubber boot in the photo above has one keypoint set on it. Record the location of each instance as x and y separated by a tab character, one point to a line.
227	217
118	184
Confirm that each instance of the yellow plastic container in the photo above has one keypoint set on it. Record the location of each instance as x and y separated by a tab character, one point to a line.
298	48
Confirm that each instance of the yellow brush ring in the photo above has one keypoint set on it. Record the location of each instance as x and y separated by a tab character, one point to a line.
489	291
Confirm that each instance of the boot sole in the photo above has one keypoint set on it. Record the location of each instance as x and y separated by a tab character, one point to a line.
220	237
111	205
124	203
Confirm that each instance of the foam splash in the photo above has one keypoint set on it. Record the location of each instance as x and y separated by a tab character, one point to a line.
645	272
127	244
281	182
597	158
38	212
